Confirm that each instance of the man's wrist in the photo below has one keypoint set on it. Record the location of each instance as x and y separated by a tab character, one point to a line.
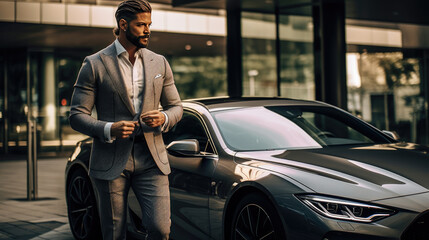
107	133
164	125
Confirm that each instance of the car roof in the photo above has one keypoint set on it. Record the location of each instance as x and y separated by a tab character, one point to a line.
218	103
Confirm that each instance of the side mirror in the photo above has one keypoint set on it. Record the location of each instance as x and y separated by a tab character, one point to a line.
392	134
185	147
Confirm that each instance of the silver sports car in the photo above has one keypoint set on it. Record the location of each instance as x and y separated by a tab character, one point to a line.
272	168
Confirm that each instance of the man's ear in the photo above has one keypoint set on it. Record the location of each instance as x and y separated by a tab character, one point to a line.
123	24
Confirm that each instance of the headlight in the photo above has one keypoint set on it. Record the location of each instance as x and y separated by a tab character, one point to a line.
345	209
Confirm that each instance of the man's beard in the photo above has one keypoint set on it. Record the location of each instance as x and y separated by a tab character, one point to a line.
136	40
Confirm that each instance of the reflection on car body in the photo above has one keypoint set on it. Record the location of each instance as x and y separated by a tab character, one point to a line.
271	168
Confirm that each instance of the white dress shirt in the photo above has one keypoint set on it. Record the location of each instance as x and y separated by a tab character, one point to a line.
134	81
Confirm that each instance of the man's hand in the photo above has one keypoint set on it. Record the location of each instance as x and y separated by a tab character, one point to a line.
153	118
123	129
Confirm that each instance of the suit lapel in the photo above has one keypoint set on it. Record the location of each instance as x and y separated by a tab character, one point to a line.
148	96
110	61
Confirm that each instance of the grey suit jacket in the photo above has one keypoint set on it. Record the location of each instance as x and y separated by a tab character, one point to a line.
100	84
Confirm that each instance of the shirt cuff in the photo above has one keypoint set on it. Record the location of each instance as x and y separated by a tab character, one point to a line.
107	136
165	123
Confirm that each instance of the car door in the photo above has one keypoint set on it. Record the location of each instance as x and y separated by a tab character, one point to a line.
190	179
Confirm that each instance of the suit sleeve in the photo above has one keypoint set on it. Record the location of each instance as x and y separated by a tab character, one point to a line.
82	103
170	99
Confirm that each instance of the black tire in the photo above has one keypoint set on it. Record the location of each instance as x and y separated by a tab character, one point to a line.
256	218
82	207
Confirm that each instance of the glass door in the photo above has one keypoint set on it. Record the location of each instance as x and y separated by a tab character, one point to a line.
3	92
67	68
15	101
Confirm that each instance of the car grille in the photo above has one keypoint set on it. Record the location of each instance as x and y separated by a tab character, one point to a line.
419	230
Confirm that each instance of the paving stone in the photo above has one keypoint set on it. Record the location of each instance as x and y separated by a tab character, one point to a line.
19	232
38	238
44	218
35	227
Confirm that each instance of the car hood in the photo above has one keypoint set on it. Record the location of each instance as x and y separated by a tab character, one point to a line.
361	172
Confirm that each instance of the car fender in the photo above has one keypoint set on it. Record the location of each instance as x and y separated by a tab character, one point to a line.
279	190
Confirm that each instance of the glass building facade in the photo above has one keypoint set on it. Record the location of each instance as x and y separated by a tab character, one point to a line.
368	57
42	53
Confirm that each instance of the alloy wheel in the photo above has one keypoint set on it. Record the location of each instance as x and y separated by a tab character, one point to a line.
253	223
82	210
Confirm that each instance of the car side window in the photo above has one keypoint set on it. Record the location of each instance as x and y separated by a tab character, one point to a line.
190	127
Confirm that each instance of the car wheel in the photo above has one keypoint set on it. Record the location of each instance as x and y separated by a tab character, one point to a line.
256	218
82	207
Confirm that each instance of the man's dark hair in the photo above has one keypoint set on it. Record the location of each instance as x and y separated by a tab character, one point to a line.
128	9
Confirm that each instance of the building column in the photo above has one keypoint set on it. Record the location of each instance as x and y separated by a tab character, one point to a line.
331	84
234	49
48	98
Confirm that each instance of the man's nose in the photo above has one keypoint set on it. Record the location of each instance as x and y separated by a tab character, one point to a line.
146	30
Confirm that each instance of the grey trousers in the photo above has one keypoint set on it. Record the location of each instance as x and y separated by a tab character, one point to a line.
151	188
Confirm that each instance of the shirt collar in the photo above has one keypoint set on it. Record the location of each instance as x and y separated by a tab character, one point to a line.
120	49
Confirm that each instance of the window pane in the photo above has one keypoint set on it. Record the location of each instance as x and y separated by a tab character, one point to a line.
68	65
259	54
2	105
386	90
189	127
296	53
199	76
280	127
17	99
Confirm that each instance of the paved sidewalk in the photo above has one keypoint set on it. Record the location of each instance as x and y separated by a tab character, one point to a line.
45	218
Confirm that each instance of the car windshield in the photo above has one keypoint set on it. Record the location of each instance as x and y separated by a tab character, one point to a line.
286	127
